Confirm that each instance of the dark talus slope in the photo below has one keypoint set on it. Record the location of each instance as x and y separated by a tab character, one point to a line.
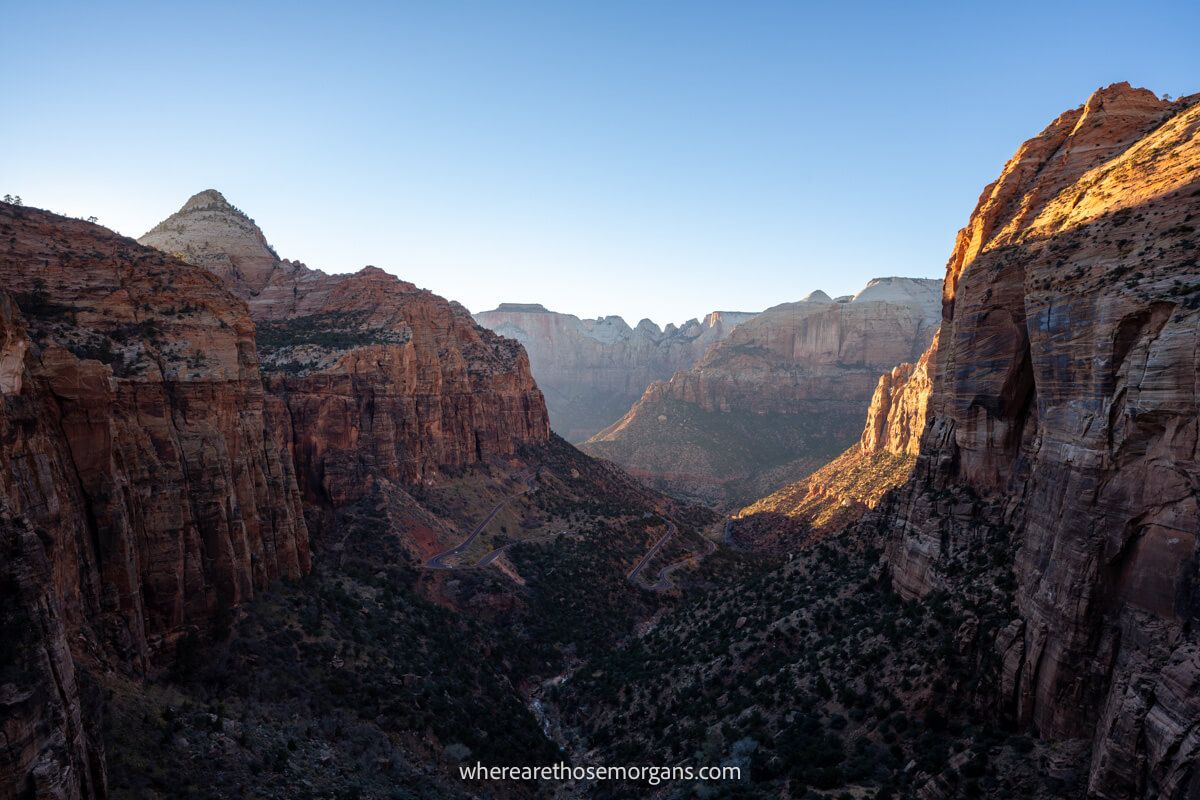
593	370
135	440
784	394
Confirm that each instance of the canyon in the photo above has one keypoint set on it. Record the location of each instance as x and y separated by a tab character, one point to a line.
178	437
1021	579
841	492
268	531
592	370
782	395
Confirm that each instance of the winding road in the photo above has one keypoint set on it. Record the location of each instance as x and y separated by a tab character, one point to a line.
664	575
439	561
499	551
653	551
663	581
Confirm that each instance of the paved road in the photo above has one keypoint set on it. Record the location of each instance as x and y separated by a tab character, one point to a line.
653	551
499	551
439	561
664	575
663	581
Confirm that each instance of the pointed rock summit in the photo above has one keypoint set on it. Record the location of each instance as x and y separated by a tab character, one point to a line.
210	232
205	199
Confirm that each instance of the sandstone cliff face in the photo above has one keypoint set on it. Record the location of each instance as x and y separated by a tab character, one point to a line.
142	374
447	394
782	395
896	416
48	752
380	381
134	442
593	370
840	492
1065	402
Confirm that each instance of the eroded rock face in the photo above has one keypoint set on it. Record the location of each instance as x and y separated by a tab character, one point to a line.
380	380
144	369
840	492
48	752
782	395
593	370
452	394
1065	397
134	441
896	416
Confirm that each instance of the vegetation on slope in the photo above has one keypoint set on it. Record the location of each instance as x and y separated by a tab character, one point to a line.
817	678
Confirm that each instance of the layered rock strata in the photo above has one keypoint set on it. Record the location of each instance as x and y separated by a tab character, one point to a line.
593	370
380	380
840	492
782	395
135	444
1065	400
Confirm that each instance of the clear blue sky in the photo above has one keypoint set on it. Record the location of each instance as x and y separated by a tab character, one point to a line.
652	159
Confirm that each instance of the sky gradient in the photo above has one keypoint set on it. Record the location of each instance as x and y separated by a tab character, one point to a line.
647	159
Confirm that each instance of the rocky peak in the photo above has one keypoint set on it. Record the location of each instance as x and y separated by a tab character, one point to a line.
607	329
648	327
206	199
380	380
211	233
1052	162
1120	98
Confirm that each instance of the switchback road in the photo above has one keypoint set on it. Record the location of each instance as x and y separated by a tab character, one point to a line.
653	551
439	561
